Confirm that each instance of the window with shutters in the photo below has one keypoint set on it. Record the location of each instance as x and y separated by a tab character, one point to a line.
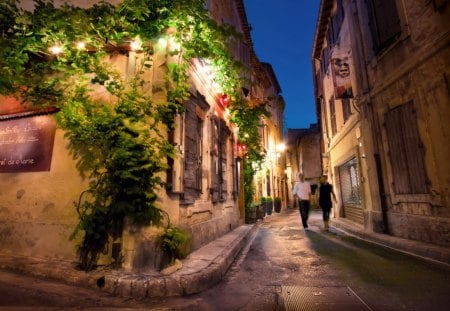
440	4
184	175
346	110
175	171
193	152
325	60
333	116
384	23
336	22
406	151
219	140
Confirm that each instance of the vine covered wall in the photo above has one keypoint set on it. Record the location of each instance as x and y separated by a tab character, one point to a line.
57	56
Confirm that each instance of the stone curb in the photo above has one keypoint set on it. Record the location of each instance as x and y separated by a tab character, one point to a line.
188	280
435	253
181	282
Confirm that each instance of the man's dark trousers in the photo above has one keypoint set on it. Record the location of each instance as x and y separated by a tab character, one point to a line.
304	211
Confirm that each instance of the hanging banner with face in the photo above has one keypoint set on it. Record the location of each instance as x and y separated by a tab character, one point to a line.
342	77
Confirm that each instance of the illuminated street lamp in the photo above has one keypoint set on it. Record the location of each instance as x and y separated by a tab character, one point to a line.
281	147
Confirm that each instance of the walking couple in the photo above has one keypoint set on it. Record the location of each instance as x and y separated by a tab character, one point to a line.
302	192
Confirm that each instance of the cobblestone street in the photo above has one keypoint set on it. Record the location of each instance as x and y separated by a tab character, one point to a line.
281	256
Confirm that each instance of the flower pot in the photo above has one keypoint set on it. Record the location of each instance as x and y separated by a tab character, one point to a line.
261	211
269	207
251	215
277	205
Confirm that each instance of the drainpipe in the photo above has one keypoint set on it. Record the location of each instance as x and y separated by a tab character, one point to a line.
383	200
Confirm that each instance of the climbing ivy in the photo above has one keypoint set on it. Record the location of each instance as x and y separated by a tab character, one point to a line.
248	119
119	144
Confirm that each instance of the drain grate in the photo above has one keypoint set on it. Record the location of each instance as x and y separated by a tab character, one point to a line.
333	298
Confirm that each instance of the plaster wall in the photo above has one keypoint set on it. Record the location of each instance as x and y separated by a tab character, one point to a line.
37	212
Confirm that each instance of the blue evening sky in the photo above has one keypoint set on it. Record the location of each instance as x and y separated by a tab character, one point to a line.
283	34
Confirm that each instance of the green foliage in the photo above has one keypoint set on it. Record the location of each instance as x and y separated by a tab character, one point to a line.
248	119
175	242
119	144
277	200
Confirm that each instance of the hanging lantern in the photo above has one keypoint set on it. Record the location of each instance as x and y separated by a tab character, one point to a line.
241	150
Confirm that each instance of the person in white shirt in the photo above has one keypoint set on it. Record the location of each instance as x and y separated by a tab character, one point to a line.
302	192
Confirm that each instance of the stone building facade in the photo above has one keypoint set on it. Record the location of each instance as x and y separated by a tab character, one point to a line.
270	180
303	155
37	212
381	73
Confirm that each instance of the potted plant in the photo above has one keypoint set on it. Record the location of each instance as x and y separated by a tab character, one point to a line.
262	208
251	213
277	204
269	205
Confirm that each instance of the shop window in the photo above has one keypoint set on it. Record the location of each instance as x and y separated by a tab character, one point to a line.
349	182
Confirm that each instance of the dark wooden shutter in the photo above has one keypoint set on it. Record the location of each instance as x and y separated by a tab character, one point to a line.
336	21
223	143
384	22
193	152
406	150
214	152
346	110
333	116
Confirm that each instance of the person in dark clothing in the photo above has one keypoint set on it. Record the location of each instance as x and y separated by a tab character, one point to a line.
325	194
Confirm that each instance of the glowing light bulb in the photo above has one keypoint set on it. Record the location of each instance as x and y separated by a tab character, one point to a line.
281	147
136	44
56	49
162	42
174	45
81	45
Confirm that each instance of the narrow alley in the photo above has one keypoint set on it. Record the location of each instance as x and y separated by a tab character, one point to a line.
283	255
154	155
332	270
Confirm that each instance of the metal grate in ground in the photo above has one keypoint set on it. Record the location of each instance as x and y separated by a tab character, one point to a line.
329	298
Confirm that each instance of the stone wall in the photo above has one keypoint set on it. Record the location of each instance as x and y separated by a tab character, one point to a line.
415	69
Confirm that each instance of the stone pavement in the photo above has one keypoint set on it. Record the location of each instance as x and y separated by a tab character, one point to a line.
203	268
435	253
